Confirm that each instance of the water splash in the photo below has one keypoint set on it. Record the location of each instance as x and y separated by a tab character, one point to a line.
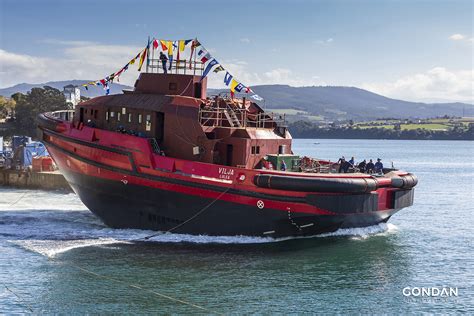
50	248
66	225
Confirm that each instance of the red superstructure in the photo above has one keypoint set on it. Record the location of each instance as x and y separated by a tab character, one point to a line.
165	156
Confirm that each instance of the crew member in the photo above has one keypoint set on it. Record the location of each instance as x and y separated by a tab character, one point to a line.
370	167
341	163
362	165
378	167
283	165
352	162
163	59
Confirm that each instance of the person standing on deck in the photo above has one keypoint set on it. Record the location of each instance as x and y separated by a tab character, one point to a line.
164	60
283	165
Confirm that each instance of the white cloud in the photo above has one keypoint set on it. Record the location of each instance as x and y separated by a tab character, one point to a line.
81	60
245	40
438	83
325	42
243	73
457	37
93	61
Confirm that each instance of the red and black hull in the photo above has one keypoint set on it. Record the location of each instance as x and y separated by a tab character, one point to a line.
132	196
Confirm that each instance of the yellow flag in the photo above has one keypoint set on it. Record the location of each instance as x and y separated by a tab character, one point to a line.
182	46
132	61
233	84
142	59
170	48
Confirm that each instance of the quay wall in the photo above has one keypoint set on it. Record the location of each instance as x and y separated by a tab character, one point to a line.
51	180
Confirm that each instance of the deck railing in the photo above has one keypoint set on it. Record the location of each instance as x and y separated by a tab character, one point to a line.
239	118
182	67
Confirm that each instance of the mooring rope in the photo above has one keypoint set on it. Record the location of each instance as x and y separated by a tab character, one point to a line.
22	302
136	286
189	219
19	199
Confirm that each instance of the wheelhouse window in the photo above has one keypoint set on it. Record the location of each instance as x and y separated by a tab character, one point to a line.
129	117
140	118
124	110
112	114
148	123
107	116
118	116
255	150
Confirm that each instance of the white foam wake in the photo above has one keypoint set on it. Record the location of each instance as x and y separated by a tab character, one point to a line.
50	223
50	248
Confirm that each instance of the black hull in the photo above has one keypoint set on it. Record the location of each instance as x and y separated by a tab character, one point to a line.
121	205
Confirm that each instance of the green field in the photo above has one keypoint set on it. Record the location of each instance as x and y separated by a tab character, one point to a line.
431	125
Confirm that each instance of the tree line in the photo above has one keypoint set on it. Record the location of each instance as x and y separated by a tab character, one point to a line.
304	129
27	107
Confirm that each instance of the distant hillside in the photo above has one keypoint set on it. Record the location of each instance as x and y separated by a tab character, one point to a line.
351	103
93	91
333	103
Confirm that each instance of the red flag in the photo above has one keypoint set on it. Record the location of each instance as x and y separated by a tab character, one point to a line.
155	44
191	56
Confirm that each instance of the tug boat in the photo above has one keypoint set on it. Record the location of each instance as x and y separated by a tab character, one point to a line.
166	157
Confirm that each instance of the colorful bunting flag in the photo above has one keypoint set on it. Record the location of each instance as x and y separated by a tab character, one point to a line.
233	84
239	87
218	69
208	68
227	78
182	45
142	59
107	89
256	97
170	48
164	45
191	55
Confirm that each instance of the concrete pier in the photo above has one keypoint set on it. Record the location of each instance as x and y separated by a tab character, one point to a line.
48	180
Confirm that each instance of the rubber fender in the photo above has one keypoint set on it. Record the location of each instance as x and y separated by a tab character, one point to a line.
405	182
308	184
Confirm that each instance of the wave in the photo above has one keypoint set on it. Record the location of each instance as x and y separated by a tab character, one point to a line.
66	224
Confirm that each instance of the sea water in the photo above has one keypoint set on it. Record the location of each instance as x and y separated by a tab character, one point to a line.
56	257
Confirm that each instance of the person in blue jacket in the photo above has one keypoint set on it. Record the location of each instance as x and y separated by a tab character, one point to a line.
378	166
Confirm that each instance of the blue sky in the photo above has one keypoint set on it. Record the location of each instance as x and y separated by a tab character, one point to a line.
416	50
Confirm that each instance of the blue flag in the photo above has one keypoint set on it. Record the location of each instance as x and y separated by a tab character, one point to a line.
227	78
209	66
239	87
